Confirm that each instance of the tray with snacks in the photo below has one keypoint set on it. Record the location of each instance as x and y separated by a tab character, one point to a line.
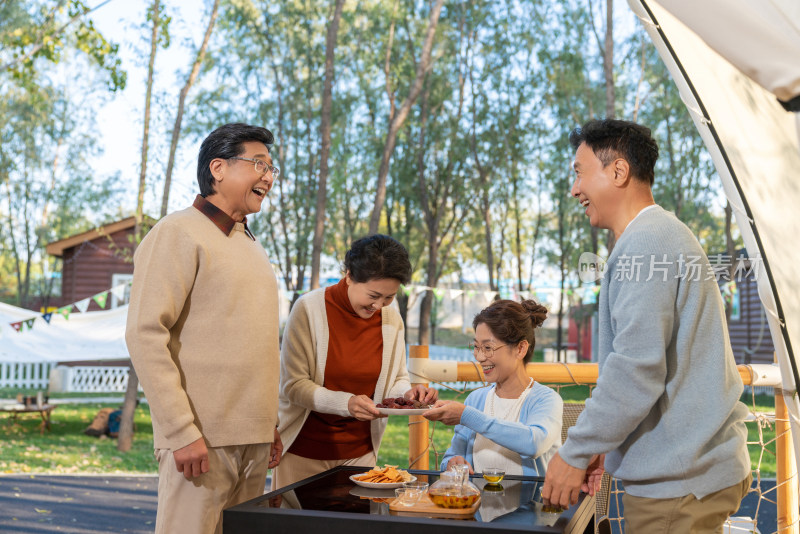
387	477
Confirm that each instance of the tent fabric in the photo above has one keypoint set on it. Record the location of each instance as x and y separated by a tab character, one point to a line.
91	336
753	141
761	38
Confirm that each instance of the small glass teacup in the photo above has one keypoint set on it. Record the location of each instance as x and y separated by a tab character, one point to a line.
422	487
493	475
407	496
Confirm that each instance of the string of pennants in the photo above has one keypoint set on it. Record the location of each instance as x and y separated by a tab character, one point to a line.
101	299
440	292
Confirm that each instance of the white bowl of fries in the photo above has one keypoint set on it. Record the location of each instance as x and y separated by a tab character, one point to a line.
387	477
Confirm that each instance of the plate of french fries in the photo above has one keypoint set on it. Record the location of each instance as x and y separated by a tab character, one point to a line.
386	477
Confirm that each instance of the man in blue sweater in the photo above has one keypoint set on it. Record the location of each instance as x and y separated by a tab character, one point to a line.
665	417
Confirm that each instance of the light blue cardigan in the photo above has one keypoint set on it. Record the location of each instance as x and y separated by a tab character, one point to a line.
536	437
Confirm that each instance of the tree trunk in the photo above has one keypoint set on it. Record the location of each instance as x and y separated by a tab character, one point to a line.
426	305
176	130
125	439
518	233
608	60
608	72
559	328
425	318
399	119
562	271
486	209
325	134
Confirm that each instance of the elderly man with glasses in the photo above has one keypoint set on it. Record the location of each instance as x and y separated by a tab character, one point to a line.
203	337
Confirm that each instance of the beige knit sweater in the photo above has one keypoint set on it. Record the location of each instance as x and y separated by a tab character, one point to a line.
202	333
303	356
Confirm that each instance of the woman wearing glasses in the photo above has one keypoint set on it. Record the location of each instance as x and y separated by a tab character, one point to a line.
516	424
344	351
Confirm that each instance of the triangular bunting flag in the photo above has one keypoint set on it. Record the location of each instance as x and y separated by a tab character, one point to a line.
489	294
407	289
439	292
47	316
119	293
420	289
29	323
65	311
82	305
455	293
101	298
470	293
17	326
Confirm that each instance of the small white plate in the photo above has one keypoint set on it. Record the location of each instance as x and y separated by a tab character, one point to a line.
379	485
401	411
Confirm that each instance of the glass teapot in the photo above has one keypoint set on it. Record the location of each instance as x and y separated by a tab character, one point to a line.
454	489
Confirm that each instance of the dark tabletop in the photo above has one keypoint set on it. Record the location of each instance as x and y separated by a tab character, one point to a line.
331	503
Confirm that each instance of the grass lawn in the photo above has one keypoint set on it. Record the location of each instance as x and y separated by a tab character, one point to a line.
65	449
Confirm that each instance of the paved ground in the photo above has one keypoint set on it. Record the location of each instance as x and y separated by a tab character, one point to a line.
77	504
105	504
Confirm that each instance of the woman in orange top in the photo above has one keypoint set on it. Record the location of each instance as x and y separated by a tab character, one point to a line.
344	351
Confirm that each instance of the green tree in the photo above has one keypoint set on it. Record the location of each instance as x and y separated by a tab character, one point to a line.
34	34
47	131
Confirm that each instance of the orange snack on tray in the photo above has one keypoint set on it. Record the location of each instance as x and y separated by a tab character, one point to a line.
389	474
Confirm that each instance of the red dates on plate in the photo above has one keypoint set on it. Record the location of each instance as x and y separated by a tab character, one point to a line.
400	403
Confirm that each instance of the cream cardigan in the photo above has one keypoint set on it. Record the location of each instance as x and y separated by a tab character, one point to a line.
303	356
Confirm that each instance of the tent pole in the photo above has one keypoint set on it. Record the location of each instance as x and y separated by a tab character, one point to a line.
786	469
418	425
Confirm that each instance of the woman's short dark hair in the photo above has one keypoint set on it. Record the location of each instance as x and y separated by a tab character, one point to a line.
611	138
511	321
376	257
227	142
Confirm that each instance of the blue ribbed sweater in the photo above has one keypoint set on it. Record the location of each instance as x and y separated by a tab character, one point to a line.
666	407
536	436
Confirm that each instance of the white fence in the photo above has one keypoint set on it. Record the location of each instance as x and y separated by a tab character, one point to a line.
89	379
59	378
25	375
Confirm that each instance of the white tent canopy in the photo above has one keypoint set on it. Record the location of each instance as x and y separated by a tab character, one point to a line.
91	336
732	60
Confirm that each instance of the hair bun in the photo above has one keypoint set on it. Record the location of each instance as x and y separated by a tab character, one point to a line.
537	312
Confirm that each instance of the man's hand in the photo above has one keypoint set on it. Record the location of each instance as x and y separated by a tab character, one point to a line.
594	475
448	412
192	460
363	408
275	451
562	483
423	394
456	460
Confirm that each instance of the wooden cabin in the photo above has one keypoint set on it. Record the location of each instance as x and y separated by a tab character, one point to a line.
94	261
748	328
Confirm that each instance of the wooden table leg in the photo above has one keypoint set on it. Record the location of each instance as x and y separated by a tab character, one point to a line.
45	420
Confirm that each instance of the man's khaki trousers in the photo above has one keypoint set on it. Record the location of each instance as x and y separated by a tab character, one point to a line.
236	473
683	515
